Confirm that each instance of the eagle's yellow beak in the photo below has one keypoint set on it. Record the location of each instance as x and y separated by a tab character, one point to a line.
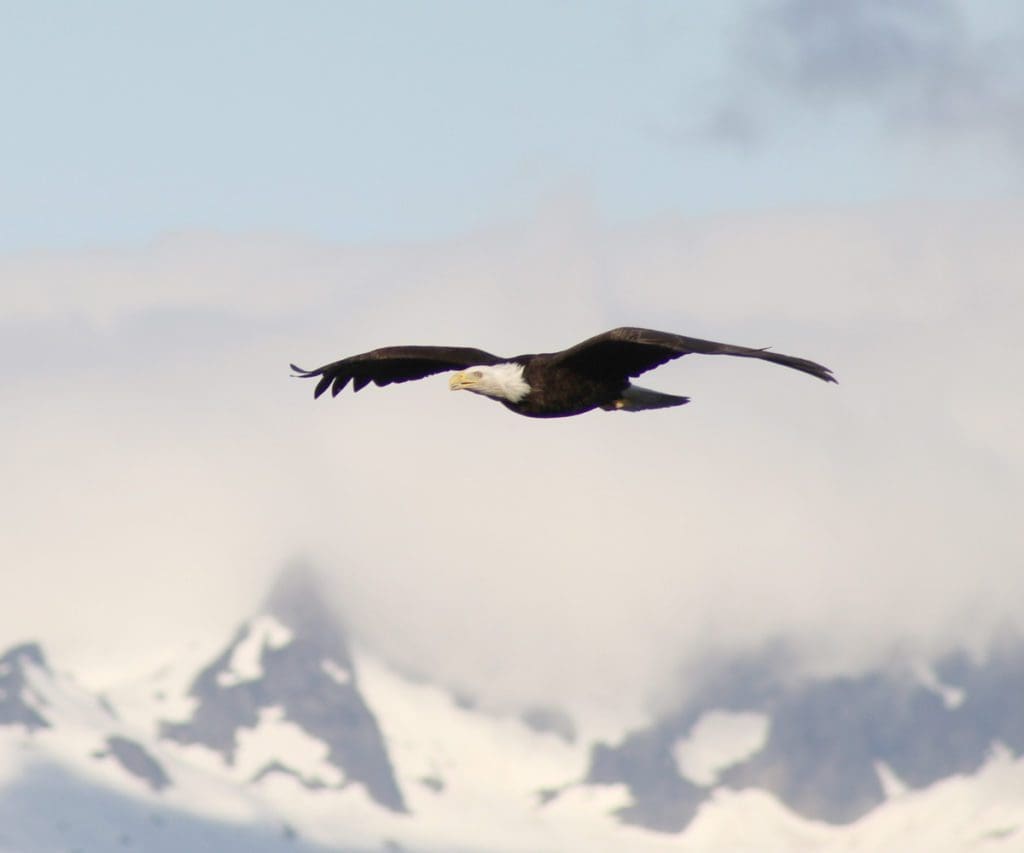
459	381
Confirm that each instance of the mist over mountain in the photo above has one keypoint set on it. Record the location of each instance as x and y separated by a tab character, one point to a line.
293	661
291	738
527	560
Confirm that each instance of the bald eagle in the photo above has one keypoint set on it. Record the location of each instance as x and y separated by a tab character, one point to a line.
593	374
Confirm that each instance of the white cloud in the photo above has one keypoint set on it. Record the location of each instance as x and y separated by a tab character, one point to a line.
161	478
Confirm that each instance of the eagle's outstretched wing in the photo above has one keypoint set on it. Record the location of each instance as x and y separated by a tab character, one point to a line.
393	364
629	352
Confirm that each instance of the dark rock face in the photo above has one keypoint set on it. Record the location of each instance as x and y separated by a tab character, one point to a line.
134	758
994	691
311	678
662	799
826	736
222	711
17	706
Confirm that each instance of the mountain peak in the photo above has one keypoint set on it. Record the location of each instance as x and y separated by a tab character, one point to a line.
289	669
18	705
297	599
21	654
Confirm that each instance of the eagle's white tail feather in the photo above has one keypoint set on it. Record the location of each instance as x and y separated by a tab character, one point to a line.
636	399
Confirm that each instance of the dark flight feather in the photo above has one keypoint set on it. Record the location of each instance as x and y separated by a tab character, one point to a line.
393	364
629	352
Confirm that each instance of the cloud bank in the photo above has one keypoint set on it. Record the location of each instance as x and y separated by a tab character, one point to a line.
924	70
162	465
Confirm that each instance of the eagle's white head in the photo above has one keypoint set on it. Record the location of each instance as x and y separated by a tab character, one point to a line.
500	381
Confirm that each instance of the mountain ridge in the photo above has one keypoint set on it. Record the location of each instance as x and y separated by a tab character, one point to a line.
300	740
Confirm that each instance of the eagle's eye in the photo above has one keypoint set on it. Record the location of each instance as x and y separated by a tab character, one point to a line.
478	374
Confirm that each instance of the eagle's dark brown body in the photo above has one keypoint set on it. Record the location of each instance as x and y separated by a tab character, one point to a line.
562	390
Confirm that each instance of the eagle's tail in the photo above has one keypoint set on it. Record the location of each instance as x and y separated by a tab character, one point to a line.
636	399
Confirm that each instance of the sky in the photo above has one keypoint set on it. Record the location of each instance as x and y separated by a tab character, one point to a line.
193	197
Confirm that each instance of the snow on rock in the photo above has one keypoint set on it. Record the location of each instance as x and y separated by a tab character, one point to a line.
952	697
718	740
474	781
12	755
277	661
65	701
246	664
891	784
161	692
983	811
338	673
752	821
481	782
62	803
277	743
430	735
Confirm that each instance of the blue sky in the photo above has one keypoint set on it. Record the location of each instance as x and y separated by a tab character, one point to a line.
384	121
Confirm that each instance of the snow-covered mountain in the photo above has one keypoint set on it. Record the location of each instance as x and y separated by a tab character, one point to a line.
290	739
288	674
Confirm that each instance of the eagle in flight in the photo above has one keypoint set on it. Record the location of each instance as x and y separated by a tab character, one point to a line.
593	374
